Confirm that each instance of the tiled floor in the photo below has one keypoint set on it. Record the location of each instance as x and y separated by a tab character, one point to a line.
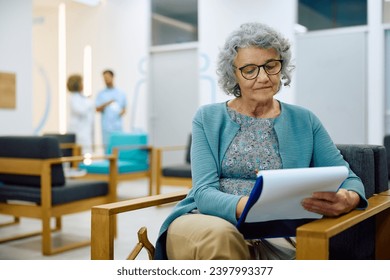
77	227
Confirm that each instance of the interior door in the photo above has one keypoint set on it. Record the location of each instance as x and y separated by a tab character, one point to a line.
173	84
331	81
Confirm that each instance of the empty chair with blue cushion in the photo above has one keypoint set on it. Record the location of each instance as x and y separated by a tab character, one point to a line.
134	159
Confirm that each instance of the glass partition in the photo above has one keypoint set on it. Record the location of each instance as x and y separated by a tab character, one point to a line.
327	14
174	21
386	11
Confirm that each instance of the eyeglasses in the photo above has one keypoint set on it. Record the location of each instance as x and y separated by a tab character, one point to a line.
251	71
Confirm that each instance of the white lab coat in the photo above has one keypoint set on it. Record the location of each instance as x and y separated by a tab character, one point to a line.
81	120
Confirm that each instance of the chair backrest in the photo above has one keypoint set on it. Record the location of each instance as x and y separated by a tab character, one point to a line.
64	138
129	139
386	143
188	150
31	147
369	162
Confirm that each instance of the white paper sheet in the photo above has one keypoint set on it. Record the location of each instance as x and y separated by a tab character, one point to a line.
284	189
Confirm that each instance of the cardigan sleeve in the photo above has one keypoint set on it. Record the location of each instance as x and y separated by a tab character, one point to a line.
205	174
325	153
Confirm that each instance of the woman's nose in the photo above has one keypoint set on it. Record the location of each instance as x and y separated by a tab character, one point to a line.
263	76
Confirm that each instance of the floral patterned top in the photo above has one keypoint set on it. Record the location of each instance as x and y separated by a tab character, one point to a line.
255	147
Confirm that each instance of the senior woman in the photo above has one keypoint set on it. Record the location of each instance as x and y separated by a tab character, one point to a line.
231	140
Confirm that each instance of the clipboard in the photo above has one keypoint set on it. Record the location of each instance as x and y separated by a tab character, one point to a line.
274	205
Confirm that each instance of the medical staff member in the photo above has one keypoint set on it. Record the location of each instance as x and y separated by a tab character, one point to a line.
81	113
111	102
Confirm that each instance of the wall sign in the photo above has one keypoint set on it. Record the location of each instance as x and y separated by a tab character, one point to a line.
7	90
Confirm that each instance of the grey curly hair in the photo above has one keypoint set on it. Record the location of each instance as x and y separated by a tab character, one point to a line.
247	35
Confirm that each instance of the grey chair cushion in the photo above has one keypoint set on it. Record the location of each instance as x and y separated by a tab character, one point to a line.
180	170
188	151
64	138
361	161
369	162
366	160
73	190
381	168
386	143
32	147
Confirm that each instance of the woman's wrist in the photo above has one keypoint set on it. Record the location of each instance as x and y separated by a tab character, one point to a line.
241	205
355	199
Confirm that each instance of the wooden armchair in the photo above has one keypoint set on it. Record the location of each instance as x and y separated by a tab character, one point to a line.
68	145
135	159
176	174
33	185
360	234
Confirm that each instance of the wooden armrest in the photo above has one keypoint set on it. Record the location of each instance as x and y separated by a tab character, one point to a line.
171	148
138	203
27	166
22	166
79	158
69	145
132	147
385	193
103	220
313	238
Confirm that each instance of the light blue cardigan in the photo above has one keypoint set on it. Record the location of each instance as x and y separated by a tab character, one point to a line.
303	142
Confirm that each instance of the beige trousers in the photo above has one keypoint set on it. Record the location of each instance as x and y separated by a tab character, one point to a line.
205	237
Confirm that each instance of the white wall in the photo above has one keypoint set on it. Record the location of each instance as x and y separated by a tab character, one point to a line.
218	18
375	74
118	32
331	81
16	57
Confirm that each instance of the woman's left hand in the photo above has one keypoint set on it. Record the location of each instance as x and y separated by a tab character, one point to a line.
331	204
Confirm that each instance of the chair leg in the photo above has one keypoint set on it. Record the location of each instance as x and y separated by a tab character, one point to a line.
46	236
58	223
28	234
47	248
158	183
150	186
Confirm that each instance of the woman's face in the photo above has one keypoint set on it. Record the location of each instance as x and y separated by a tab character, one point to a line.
264	86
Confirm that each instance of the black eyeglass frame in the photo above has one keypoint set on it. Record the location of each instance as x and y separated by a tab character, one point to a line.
261	66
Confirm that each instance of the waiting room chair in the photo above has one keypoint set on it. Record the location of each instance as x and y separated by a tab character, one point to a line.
360	234
33	185
386	143
175	174
135	159
68	145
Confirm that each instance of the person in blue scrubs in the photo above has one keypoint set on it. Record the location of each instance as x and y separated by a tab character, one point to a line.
111	102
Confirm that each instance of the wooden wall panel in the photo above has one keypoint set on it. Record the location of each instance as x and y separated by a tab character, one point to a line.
7	90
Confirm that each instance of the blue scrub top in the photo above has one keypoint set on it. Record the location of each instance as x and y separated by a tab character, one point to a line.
111	118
